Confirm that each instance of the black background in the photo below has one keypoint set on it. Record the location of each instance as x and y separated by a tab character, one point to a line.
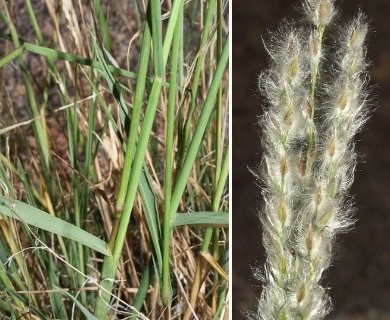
359	279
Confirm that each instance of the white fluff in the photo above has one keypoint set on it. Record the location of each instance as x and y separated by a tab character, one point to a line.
309	160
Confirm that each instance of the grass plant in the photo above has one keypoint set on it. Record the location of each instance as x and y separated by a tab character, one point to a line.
114	179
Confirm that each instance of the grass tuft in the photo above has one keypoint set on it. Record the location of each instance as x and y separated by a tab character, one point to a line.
111	175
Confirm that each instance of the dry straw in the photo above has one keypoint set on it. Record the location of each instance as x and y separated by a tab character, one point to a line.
309	157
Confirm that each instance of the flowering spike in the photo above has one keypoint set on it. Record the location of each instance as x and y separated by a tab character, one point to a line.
308	160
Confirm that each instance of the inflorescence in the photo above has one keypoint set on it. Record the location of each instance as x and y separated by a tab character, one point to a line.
309	157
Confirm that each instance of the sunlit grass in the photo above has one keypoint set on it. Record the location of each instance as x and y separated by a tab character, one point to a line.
114	179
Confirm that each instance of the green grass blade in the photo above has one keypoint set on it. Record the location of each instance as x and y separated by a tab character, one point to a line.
44	258
210	219
146	191
198	69
110	263
148	196
87	314
199	131
25	302
151	214
56	54
143	287
209	230
5	281
112	83
222	180
103	25
138	164
218	129
172	23
40	219
169	153
217	198
7	306
155	18
103	103
13	55
135	116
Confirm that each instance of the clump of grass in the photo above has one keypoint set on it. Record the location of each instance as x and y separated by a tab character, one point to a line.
114	197
309	157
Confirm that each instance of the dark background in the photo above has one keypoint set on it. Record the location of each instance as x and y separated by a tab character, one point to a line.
359	279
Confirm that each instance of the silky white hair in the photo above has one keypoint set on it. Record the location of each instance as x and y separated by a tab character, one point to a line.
309	158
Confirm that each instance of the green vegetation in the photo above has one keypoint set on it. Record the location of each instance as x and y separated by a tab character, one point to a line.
114	179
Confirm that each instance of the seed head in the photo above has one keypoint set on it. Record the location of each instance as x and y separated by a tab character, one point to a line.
358	33
343	99
309	157
292	46
301	292
282	265
282	213
318	197
306	106
293	70
325	218
309	239
320	12
325	12
301	164
332	147
283	166
288	118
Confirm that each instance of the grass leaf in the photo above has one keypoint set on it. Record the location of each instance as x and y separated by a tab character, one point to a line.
214	219
151	213
23	212
88	315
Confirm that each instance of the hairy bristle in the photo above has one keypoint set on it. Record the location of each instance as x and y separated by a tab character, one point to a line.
308	161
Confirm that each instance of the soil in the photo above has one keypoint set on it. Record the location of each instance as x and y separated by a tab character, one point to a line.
359	279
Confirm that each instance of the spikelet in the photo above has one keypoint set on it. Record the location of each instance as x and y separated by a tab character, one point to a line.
320	12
